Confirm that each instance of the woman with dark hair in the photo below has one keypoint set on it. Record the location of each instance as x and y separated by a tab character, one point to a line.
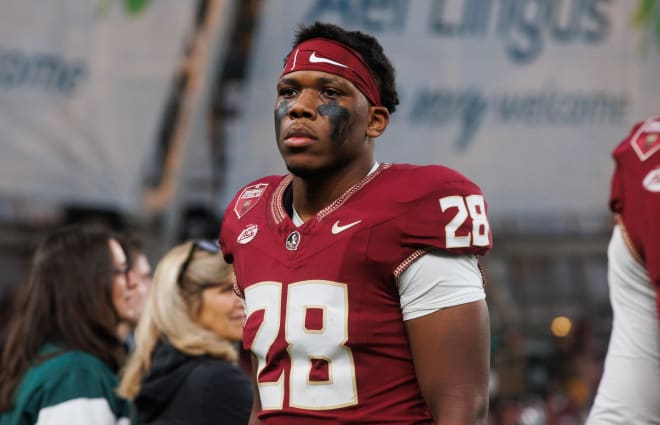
62	353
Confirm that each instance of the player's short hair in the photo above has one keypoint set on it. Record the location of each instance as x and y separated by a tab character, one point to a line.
367	46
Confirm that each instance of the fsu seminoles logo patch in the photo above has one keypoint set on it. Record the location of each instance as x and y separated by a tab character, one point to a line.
646	140
293	240
249	198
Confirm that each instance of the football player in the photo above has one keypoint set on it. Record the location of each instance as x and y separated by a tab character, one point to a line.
629	390
361	281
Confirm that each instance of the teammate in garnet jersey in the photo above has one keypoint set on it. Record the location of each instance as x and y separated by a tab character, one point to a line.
629	391
364	296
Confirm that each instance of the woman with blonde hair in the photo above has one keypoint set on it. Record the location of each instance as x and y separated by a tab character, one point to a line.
184	369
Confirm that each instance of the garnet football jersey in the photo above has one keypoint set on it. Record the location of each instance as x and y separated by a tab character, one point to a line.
324	318
635	195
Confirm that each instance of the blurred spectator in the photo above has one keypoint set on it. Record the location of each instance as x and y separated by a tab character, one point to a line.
629	392
573	375
139	281
509	364
184	366
549	387
6	298
62	350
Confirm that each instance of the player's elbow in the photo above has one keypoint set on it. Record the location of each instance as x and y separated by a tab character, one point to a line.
463	409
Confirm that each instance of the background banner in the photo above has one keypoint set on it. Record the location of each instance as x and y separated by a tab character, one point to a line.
83	87
527	98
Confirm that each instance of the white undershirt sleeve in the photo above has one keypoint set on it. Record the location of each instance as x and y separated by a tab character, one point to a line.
439	280
630	384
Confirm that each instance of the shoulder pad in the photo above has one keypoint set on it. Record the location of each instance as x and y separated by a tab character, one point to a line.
644	138
251	194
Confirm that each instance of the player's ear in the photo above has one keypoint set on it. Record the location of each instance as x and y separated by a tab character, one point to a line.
379	118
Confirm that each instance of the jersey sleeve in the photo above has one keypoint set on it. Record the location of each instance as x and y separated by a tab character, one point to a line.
445	210
651	238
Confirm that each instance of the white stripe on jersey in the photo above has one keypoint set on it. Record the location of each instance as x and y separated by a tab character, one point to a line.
80	411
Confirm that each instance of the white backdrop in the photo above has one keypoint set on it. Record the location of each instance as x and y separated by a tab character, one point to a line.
83	85
526	97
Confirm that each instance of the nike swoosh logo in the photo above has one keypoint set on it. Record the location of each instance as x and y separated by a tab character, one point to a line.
336	228
317	59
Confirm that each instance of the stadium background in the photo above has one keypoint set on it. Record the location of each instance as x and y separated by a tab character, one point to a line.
149	114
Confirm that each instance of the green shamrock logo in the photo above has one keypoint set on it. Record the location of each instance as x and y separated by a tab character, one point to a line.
131	7
647	19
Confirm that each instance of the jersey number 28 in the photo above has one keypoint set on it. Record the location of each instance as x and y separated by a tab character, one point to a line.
474	207
326	344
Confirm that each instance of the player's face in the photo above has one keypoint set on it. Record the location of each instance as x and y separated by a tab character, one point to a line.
321	123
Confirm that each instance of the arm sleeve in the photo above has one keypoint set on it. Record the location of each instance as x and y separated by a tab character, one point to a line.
78	397
80	411
439	280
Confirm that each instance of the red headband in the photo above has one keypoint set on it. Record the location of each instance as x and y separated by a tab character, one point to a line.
321	54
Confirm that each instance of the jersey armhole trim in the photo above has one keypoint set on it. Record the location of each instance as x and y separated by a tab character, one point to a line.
628	241
407	262
421	252
483	273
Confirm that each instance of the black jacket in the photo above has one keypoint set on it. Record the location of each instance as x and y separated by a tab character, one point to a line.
192	390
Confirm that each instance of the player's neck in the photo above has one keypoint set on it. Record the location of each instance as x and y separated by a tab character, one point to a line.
312	195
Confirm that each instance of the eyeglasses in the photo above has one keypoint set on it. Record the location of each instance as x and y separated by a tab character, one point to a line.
212	247
121	270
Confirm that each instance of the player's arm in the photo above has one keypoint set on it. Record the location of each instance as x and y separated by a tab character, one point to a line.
443	300
451	350
444	308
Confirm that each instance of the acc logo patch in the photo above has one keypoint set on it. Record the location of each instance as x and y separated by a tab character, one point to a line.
249	198
247	234
652	181
646	140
